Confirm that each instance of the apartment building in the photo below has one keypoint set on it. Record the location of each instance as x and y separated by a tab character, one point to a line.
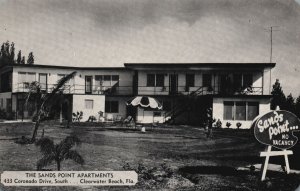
236	92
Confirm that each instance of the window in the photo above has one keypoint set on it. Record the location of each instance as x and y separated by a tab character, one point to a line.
253	110
248	80
240	110
190	80
157	80
60	76
1	105
98	81
150	80
206	80
26	77
89	104
111	106
160	80
107	78
115	78
228	110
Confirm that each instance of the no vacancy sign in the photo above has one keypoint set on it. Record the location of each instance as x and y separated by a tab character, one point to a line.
276	129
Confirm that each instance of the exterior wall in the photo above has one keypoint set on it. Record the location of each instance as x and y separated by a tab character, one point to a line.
78	83
79	105
261	79
215	82
122	106
52	75
142	84
145	116
267	81
218	110
3	100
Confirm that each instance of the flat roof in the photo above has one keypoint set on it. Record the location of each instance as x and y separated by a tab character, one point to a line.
189	65
66	67
128	66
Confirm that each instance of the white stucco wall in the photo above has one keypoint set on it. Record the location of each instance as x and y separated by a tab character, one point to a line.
79	105
146	116
218	110
267	81
122	106
125	77
144	90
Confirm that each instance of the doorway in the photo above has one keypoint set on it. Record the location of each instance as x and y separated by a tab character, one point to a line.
43	81
173	79
88	84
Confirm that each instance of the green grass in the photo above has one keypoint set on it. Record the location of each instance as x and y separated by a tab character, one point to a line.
178	147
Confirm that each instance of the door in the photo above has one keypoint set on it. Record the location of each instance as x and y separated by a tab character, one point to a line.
88	84
43	81
225	84
173	84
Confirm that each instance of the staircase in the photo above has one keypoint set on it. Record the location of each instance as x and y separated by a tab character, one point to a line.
185	101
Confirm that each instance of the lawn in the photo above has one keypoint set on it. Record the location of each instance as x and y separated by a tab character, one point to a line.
169	157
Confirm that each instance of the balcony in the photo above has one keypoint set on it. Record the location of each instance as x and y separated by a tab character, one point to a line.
78	89
198	90
145	90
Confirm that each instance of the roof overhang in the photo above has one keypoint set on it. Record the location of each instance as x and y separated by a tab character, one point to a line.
198	66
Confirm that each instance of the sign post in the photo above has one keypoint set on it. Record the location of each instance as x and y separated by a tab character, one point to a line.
275	129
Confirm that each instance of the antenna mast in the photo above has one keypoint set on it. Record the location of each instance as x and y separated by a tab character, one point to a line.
271	39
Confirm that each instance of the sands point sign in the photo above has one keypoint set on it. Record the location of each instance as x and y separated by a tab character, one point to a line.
276	129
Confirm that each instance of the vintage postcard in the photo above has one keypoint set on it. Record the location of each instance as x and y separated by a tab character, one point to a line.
149	95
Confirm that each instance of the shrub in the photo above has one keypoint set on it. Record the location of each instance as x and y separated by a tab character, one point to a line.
151	177
91	119
101	113
218	124
3	114
11	115
77	116
228	124
238	125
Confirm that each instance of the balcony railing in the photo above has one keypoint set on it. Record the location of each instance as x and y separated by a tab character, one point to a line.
79	89
144	90
198	90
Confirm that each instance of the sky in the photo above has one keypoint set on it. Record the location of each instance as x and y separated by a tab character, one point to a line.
97	33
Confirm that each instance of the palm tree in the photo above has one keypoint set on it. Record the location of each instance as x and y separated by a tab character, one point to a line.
35	93
58	152
46	100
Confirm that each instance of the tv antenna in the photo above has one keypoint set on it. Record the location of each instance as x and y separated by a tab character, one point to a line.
271	30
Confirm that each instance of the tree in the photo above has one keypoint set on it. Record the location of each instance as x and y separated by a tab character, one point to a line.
297	106
12	53
35	94
23	60
47	101
30	59
19	57
290	104
58	152
7	53
278	97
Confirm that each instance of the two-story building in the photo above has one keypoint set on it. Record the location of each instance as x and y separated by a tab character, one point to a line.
236	92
